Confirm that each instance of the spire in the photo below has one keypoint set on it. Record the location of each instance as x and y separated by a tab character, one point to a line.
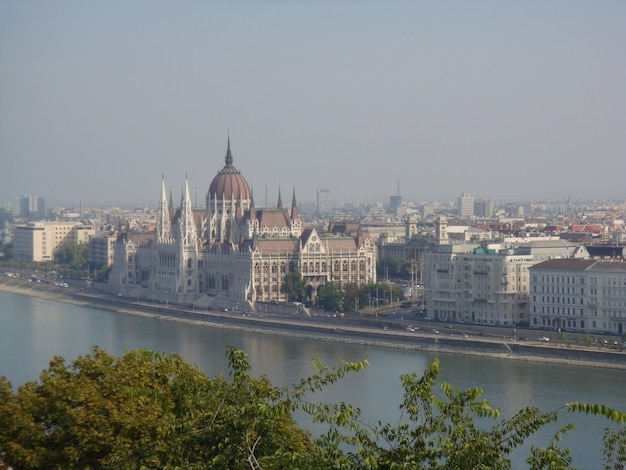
163	216
229	155
280	201
187	224
294	206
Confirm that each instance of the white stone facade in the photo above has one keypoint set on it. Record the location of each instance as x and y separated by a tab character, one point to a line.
587	296
233	253
463	283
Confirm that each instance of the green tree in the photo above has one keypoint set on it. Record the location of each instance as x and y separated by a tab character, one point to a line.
329	297
294	287
394	268
153	410
72	254
7	250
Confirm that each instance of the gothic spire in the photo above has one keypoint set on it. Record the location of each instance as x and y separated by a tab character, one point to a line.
294	206
187	224
163	216
280	201
229	155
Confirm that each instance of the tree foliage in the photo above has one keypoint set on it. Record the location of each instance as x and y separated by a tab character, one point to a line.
397	268
329	297
153	410
294	286
72	254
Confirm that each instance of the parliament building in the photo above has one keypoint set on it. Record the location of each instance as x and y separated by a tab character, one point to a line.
233	254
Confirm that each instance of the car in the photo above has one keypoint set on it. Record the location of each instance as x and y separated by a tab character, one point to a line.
545	339
435	330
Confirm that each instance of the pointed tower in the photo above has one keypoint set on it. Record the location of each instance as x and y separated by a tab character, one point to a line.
294	206
163	230
280	201
187	246
187	225
296	223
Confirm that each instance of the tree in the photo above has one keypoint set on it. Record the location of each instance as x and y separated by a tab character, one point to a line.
153	410
294	287
394	268
7	250
329	297
72	254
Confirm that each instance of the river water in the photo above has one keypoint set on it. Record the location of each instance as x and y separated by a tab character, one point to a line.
33	330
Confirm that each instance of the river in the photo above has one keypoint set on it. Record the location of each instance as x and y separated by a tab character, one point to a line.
33	330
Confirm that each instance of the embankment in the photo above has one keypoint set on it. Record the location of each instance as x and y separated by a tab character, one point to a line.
335	329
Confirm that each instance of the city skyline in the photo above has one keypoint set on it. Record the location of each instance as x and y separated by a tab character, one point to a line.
504	101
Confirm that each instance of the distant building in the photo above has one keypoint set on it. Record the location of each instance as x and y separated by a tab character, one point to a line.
325	204
580	295
40	241
483	208
32	207
466	205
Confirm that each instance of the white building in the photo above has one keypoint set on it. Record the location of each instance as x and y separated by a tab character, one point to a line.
234	252
579	295
40	241
471	284
466	205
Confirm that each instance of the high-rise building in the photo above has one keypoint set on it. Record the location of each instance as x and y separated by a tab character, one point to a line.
324	201
483	208
466	205
32	206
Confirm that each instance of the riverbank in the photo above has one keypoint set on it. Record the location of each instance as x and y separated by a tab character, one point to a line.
348	330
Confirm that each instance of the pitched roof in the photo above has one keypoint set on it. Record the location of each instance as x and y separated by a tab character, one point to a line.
273	217
565	264
345	244
277	245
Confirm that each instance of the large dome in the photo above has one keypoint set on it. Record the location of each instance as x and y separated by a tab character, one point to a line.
229	183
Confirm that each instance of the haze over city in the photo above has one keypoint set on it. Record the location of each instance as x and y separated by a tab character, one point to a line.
506	100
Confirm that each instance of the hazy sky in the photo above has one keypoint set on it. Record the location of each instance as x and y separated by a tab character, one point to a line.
503	99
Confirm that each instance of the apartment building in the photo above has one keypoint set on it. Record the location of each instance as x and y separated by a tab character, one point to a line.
40	241
101	250
472	284
579	295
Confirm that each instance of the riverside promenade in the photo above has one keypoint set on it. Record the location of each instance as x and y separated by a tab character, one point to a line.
361	329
